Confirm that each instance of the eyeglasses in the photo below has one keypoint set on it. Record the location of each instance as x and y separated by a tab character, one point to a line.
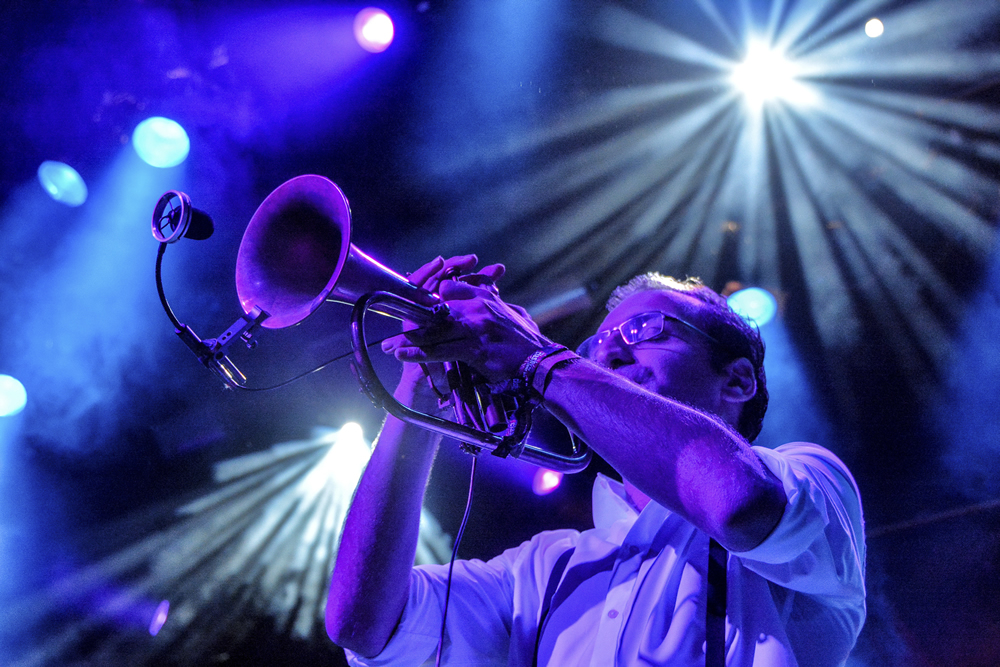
641	328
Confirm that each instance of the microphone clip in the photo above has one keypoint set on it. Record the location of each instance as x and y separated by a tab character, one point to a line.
211	352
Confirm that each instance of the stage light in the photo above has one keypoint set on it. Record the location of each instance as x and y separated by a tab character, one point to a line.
13	396
62	182
755	305
874	28
373	29
546	481
766	75
161	142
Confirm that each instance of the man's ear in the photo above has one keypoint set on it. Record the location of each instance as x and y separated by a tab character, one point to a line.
741	381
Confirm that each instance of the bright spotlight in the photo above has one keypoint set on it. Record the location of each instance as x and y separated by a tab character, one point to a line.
161	142
373	29
13	396
546	481
351	430
765	75
874	28
62	182
754	305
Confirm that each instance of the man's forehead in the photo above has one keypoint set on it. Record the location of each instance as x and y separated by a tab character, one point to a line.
670	302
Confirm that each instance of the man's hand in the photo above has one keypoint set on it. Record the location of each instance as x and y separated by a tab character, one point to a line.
482	330
418	382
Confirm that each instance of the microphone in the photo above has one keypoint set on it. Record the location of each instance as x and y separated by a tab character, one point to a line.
174	217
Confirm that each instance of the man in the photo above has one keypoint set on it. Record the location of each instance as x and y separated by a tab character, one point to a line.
669	394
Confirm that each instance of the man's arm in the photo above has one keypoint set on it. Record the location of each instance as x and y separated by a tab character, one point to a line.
688	461
371	577
370	580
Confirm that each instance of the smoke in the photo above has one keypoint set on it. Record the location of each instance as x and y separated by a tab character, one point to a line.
793	413
967	415
81	315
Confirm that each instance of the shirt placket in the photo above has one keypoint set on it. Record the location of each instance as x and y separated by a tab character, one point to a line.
621	590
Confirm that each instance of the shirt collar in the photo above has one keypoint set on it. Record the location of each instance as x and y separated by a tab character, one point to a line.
610	503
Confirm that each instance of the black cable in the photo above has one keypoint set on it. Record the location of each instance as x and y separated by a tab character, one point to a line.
451	565
159	287
309	372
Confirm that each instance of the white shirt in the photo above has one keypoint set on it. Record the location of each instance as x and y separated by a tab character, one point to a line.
632	591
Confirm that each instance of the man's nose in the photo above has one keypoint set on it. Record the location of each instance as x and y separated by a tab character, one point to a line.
614	352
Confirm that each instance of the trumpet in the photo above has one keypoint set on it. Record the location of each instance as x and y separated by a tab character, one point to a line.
296	255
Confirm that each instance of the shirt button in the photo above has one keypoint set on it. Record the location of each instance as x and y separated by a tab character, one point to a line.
613	613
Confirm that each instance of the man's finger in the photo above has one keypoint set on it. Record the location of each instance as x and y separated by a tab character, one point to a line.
420	276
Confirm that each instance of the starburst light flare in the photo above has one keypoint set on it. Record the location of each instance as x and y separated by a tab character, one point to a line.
865	189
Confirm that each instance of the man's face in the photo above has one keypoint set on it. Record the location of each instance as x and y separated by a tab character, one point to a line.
675	364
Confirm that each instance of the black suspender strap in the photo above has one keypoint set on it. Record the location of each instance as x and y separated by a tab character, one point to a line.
550	591
715	616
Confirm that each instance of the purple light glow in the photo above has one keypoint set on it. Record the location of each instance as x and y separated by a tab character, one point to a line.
546	481
373	29
159	617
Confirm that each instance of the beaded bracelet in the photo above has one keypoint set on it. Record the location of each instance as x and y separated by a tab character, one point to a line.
543	371
524	381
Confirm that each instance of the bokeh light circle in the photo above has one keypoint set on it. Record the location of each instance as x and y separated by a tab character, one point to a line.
161	142
546	481
62	182
373	29
874	28
755	305
159	617
13	396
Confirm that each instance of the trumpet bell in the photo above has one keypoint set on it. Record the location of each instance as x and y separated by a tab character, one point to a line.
294	250
296	254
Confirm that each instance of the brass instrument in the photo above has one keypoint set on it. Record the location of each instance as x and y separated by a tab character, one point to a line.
296	255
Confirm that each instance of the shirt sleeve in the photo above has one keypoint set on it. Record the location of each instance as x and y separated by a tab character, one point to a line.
818	546
487	599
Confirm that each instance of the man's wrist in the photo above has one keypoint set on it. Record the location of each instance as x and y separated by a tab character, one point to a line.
521	382
542	374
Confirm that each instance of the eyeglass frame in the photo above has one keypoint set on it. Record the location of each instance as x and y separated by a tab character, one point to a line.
594	340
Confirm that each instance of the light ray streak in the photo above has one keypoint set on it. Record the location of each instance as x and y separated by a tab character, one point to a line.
963	68
710	209
758	253
804	18
656	151
842	28
906	142
952	113
679	159
832	310
881	260
774	20
715	16
609	109
848	151
628	30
